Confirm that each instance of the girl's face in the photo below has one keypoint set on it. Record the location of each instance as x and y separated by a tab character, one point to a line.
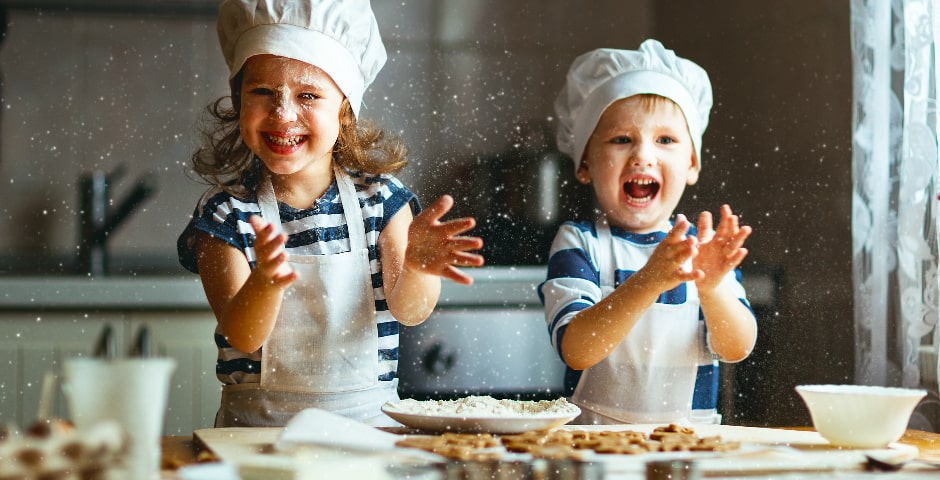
640	158
289	114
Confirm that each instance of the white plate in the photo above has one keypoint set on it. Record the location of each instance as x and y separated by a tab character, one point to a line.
481	424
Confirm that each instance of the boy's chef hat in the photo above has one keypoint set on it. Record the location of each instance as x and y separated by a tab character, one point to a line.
341	37
600	77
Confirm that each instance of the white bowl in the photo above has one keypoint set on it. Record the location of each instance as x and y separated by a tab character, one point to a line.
860	416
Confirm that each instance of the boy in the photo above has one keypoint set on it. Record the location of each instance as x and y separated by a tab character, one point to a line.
639	306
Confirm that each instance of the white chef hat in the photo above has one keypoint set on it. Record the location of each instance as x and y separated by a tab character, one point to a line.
339	36
600	77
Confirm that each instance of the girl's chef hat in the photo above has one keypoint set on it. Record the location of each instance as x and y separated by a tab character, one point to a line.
600	77
341	37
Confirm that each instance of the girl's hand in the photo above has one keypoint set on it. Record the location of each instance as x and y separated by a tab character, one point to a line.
668	265
435	247
720	251
270	257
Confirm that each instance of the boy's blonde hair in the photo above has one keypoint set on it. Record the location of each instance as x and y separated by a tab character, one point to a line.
650	102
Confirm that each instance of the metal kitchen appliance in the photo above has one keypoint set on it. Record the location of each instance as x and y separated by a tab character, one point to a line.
486	339
520	196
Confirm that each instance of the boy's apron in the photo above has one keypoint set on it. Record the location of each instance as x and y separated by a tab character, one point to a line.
650	376
323	351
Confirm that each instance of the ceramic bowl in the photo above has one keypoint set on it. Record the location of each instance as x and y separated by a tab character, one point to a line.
860	416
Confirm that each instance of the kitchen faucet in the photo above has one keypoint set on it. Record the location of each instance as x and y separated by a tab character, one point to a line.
97	219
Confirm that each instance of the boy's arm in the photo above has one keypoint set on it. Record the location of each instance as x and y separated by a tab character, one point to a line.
595	331
417	252
731	326
732	329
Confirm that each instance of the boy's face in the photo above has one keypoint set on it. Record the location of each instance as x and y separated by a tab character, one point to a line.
639	159
289	113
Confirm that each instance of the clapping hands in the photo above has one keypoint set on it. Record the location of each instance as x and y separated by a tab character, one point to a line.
270	257
719	251
438	248
712	253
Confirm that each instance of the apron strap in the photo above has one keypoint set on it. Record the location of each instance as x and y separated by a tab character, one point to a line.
605	254
351	208
347	195
268	202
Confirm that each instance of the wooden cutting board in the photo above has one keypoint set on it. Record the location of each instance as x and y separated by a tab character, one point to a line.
231	444
251	450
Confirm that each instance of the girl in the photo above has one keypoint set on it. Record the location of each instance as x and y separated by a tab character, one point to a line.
306	253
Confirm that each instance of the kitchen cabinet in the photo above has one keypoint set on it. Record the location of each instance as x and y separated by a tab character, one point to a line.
35	342
44	320
195	391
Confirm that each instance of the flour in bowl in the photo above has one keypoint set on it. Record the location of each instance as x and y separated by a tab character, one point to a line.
483	406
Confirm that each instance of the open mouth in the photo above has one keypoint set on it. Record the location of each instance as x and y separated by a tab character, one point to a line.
284	141
640	190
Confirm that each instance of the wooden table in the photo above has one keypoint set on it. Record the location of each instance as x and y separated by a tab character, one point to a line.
178	451
928	443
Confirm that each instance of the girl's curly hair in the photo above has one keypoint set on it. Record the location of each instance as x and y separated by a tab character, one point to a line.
225	161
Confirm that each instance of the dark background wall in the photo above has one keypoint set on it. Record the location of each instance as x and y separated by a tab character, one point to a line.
779	151
93	88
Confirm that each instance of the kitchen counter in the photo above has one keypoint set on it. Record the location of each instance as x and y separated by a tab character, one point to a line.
118	293
47	318
501	286
179	451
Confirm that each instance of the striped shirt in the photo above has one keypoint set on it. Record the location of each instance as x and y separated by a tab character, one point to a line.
318	230
573	284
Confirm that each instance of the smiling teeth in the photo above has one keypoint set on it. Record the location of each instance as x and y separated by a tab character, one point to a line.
647	186
284	141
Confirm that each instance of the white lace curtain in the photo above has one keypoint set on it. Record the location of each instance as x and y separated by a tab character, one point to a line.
894	204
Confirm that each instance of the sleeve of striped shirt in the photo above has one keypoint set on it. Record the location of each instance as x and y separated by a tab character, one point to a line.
572	281
217	214
395	196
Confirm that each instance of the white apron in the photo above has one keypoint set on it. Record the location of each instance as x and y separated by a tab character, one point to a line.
650	376
323	351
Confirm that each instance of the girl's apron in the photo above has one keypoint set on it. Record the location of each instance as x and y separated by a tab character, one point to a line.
323	350
650	376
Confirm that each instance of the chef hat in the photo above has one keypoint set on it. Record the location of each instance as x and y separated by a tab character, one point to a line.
341	37
600	77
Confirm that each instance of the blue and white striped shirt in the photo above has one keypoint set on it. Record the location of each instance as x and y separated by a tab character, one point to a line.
573	284
319	230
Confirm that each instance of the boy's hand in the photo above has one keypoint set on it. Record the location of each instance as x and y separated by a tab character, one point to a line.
720	251
435	247
668	265
270	258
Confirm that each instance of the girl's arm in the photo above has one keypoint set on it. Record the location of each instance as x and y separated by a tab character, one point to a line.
417	251
595	331
246	302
